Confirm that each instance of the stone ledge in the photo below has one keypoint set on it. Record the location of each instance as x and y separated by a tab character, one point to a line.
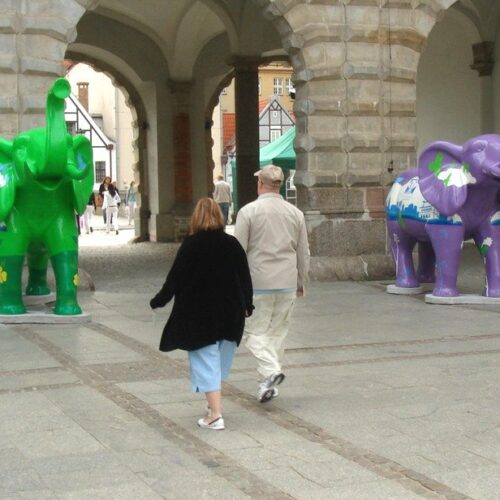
357	268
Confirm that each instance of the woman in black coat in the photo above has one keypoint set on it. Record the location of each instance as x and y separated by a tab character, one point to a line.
211	283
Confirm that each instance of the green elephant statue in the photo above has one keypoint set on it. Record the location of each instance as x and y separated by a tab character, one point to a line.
46	177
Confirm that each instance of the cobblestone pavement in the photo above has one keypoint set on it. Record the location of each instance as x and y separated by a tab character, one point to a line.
386	397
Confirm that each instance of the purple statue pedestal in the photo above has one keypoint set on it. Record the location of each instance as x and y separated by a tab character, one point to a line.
399	290
461	299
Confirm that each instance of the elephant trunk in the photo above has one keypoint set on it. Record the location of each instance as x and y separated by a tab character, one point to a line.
57	132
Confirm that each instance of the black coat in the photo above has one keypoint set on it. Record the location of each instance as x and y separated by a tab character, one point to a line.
211	283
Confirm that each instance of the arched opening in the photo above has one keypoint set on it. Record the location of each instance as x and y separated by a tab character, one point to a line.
457	90
175	60
99	110
119	112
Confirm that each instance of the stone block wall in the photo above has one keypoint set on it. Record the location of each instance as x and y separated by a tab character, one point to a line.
33	40
356	67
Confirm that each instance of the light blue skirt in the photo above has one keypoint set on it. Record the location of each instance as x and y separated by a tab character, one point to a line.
210	365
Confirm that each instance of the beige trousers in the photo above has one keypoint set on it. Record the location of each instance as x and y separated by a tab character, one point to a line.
267	328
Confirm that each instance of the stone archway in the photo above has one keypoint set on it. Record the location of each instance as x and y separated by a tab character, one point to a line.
139	125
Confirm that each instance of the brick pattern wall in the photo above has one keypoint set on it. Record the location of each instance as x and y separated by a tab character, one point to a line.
182	159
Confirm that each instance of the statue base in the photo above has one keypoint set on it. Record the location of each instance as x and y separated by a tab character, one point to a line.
399	290
44	317
33	300
461	299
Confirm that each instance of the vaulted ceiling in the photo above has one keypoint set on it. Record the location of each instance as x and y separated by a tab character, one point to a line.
181	30
484	15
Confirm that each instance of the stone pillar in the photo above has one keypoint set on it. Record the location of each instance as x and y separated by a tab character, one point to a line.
355	69
483	64
183	175
246	86
35	35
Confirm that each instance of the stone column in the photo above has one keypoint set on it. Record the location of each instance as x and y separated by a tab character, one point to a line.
483	64
183	175
35	35
355	69
246	79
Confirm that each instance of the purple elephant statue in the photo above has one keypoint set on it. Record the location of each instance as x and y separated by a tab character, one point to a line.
452	195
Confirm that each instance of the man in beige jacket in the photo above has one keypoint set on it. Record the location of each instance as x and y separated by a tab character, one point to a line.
273	234
222	196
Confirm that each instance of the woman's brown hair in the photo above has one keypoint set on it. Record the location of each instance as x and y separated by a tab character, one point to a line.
207	216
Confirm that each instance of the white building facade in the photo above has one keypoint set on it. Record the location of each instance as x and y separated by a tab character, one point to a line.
108	111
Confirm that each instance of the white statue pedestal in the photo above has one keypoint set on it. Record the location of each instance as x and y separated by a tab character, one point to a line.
461	299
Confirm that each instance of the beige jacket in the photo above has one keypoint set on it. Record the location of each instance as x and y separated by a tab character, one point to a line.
222	192
273	234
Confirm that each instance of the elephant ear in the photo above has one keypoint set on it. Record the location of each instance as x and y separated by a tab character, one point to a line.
83	187
7	179
443	178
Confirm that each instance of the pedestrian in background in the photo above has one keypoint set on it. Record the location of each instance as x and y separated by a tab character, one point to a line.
87	215
102	189
273	234
110	205
222	196
131	201
211	283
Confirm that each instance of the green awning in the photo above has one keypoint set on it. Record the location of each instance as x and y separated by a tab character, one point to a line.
280	152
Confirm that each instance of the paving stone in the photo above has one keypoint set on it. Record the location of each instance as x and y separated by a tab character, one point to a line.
385	397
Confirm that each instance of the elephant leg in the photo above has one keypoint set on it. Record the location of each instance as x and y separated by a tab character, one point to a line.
426	271
11	297
38	260
402	248
487	240
447	242
65	265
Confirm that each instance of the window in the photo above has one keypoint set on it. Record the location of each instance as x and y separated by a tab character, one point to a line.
71	127
100	171
260	85
275	134
278	86
289	86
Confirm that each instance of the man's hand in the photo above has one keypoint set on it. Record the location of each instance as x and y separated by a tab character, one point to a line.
300	292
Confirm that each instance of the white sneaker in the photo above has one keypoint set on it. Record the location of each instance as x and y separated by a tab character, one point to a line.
215	425
274	379
267	389
264	393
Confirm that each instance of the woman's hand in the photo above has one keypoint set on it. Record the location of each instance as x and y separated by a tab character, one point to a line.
154	303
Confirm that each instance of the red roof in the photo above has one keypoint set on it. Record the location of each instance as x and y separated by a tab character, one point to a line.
262	104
